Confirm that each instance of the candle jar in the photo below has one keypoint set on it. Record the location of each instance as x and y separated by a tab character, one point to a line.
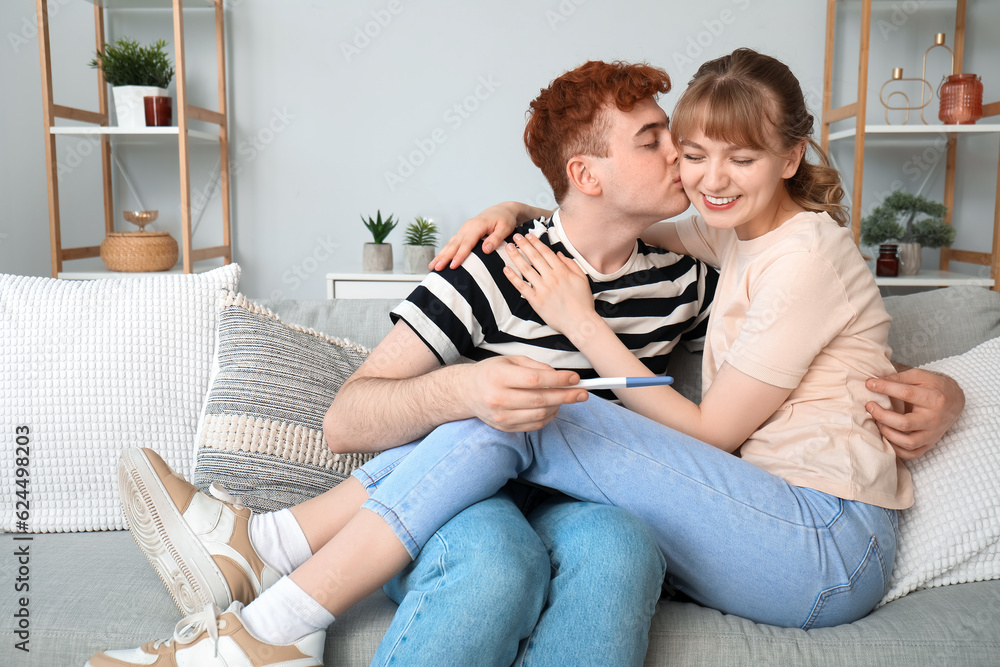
961	100
887	264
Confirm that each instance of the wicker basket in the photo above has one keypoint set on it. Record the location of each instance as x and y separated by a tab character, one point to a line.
139	251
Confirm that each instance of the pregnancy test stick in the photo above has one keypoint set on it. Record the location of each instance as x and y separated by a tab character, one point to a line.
623	382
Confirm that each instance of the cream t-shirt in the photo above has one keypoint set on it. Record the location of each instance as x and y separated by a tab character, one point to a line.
798	308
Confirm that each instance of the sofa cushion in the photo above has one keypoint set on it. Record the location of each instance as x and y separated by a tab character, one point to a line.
362	321
951	533
261	431
941	323
88	368
120	603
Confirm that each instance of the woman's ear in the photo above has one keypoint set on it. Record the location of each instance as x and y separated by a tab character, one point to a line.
582	172
795	157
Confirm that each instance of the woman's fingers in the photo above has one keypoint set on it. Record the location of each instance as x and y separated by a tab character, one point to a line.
539	254
527	269
519	283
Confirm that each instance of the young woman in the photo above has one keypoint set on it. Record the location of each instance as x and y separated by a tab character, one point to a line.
797	531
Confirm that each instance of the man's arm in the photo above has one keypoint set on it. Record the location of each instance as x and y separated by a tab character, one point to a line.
401	393
932	403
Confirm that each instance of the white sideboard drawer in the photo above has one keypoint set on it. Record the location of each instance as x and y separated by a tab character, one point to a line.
371	285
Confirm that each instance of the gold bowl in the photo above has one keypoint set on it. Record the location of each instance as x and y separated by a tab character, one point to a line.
141	218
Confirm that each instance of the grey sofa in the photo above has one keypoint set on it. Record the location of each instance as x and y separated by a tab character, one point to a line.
95	590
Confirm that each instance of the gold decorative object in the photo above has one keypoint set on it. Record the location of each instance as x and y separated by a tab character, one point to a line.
938	42
897	75
139	251
141	218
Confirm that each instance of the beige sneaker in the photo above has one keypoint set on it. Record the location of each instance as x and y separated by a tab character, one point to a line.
198	545
211	639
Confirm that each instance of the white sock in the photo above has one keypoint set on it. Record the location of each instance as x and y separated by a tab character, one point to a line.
279	541
285	613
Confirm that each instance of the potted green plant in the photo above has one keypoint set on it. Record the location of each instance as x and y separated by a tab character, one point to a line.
419	245
884	224
378	255
134	72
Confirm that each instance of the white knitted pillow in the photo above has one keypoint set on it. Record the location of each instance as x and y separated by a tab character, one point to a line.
88	368
951	535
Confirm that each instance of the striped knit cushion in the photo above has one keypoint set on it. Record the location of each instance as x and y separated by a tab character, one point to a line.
261	432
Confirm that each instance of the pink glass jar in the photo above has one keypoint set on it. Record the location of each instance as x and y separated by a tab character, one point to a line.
961	100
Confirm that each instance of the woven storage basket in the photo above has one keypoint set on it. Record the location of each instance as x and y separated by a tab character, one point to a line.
139	251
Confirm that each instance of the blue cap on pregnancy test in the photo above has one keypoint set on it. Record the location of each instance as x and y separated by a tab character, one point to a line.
624	382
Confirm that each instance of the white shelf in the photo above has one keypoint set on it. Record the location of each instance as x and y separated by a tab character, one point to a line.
934	279
893	4
97	274
133	132
918	129
150	4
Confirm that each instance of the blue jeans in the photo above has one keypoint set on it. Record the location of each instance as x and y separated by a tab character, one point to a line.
571	582
736	538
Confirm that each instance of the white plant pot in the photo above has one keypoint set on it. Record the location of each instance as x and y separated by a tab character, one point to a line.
377	257
417	257
909	259
130	109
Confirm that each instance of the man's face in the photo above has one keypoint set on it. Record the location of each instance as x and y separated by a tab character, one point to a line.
640	177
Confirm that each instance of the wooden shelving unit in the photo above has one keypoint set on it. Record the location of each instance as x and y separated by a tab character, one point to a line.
98	123
861	131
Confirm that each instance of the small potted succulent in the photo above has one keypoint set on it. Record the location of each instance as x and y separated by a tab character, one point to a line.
134	72
419	245
378	255
883	224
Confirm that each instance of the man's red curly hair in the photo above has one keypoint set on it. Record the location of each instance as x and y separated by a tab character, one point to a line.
567	118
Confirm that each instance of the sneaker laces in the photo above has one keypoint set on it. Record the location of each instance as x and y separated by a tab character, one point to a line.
222	493
190	628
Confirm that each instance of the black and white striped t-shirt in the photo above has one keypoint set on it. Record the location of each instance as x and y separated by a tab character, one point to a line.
655	300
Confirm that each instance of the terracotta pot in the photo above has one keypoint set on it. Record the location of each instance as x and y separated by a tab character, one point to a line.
377	257
909	259
961	100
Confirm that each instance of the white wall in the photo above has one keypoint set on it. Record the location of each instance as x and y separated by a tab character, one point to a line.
414	108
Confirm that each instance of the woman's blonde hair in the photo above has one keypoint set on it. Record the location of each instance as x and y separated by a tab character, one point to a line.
738	99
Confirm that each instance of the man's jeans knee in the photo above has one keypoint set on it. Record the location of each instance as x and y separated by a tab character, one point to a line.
607	573
474	591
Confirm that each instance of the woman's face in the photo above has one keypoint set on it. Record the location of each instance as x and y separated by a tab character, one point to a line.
735	187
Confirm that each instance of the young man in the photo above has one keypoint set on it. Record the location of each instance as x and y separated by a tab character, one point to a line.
582	580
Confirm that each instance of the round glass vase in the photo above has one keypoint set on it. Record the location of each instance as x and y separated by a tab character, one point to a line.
961	100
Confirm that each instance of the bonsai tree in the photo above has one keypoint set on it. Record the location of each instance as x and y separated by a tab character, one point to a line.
421	232
125	63
378	227
884	222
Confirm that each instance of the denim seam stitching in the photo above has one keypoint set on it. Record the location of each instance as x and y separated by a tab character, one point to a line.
421	598
827	594
397	520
